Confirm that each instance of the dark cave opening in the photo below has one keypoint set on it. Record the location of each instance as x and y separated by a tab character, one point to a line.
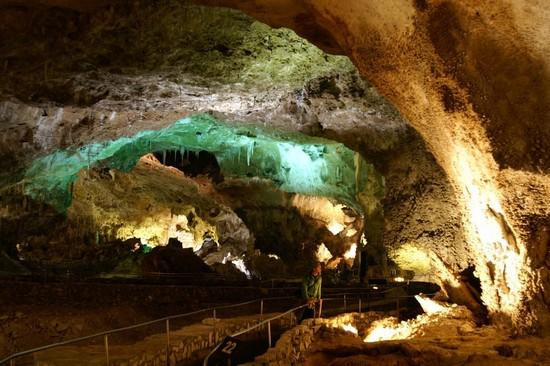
192	163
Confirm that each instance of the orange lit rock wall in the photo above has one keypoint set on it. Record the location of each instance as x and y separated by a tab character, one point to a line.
473	79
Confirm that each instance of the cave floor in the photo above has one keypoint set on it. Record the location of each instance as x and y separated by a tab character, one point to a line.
190	343
443	335
479	350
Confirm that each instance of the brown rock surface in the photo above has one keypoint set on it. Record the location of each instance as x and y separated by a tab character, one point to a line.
471	77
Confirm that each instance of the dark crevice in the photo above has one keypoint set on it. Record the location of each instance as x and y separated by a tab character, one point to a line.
192	163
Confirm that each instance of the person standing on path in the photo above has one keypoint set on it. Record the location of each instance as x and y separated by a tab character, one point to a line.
311	291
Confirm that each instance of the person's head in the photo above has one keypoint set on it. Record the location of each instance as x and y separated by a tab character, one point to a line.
317	269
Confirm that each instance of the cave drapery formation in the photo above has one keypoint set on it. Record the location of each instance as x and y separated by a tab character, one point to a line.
471	78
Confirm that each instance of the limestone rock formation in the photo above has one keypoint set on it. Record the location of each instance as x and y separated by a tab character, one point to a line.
472	79
467	189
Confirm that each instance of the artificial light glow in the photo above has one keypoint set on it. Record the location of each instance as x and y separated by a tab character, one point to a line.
333	263
238	263
440	318
429	306
443	272
375	287
504	285
412	257
323	254
399	279
344	322
274	256
323	209
335	227
296	163
226	258
382	332
349	328
351	252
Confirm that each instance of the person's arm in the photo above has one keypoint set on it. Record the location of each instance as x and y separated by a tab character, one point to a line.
305	295
317	292
320	286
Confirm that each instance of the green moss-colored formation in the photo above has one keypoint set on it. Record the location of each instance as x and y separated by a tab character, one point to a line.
216	43
295	162
183	41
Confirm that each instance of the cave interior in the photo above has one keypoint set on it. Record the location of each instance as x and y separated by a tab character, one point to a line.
224	148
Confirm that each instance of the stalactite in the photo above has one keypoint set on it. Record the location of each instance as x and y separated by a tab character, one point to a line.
250	152
284	158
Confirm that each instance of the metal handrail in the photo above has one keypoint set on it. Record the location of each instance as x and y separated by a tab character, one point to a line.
268	321
139	325
257	325
167	318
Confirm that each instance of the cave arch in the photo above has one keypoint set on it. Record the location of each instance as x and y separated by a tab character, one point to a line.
294	162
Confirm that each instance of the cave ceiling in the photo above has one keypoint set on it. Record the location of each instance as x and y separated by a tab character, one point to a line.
466	185
295	163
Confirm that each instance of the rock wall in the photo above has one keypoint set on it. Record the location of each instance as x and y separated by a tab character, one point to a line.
289	348
77	73
293	345
420	210
471	78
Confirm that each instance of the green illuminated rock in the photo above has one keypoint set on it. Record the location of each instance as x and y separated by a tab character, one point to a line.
293	161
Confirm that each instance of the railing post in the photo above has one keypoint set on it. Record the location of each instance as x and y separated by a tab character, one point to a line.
12	362
345	303
214	324
368	300
106	341
320	307
269	333
261	309
168	342
397	302
359	304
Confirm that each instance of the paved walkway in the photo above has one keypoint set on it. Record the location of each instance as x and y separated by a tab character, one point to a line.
189	343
